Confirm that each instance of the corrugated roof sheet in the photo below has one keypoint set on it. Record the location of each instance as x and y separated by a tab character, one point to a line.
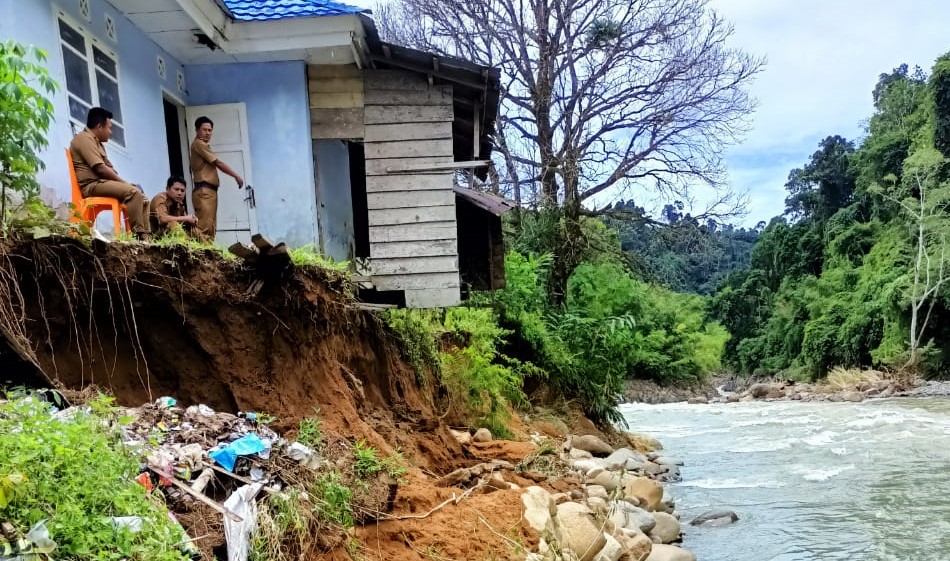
267	10
486	201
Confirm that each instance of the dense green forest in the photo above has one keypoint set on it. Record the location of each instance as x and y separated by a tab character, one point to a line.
853	273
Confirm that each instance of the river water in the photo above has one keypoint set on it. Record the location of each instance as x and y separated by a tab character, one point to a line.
810	481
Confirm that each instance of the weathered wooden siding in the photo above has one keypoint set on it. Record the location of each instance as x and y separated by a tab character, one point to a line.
412	219
336	101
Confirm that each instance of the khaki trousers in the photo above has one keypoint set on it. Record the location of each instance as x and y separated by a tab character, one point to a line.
135	201
205	203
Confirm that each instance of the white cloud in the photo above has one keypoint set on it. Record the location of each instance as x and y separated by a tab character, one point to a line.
823	62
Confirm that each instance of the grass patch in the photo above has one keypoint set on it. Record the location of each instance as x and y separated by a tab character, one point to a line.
332	500
367	463
309	433
75	473
309	256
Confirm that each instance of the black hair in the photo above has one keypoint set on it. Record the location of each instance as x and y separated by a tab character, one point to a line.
173	180
202	120
97	116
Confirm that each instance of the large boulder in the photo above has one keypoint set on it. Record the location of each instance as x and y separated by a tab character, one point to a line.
662	552
580	534
540	511
607	479
715	518
612	550
636	547
624	458
588	466
578	454
759	391
854	396
667	528
482	435
648	491
592	444
635	518
597	491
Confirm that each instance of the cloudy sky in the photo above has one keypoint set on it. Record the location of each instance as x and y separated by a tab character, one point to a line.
824	57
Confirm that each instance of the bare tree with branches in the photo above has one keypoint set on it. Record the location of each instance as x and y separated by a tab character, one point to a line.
597	95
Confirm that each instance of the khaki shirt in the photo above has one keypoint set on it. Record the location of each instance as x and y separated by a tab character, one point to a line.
202	163
87	152
162	207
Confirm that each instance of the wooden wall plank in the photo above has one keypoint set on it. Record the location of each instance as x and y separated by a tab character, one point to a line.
417	282
335	85
433	96
414	232
390	250
394	114
419	131
408	182
317	71
433	298
415	265
395	80
414	215
408	149
410	199
336	123
349	100
379	167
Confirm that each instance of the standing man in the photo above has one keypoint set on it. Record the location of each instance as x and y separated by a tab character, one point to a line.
204	168
167	211
97	176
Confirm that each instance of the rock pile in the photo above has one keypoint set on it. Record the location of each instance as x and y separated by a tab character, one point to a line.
619	514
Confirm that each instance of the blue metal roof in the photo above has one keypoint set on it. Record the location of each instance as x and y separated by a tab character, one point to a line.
266	10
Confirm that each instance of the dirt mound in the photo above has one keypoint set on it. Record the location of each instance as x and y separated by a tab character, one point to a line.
143	321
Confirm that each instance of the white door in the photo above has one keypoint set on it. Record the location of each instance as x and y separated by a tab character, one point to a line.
236	215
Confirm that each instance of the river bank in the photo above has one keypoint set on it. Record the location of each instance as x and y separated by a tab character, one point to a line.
842	385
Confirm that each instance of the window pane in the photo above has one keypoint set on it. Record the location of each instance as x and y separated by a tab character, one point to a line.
77	109
109	95
77	76
118	135
104	61
72	37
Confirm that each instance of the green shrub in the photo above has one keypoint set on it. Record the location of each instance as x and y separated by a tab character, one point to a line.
25	116
480	380
332	500
309	432
75	473
418	335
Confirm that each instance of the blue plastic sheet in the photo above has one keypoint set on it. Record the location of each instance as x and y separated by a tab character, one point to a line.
247	445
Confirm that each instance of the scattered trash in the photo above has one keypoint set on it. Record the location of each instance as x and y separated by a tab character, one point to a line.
247	445
35	546
133	523
238	534
298	452
166	402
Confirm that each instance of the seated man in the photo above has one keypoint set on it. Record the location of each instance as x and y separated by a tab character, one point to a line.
97	176
167	210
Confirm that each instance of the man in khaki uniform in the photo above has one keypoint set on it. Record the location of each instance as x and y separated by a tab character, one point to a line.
97	176
167	211
204	168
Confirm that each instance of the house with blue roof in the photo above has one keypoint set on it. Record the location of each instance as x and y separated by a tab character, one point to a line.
347	143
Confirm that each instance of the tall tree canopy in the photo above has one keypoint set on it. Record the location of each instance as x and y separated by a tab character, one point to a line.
597	94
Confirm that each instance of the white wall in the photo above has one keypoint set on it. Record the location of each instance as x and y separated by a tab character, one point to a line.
144	160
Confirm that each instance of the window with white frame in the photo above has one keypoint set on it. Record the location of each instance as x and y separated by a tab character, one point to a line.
92	77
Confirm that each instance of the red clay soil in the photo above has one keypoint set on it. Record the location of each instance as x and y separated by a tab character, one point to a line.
147	321
427	524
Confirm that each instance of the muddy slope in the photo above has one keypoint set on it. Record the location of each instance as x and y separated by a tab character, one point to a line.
146	321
